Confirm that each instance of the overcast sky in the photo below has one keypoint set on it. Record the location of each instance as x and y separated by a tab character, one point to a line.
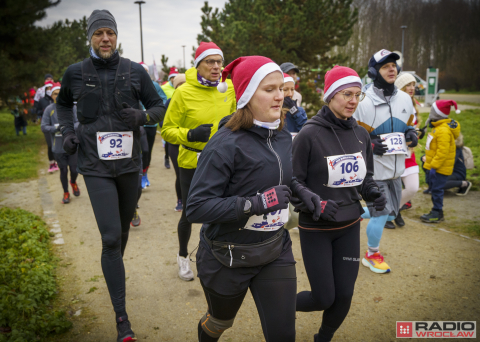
167	25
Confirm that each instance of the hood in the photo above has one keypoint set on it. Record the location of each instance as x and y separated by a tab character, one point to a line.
319	120
376	95
450	123
191	78
224	120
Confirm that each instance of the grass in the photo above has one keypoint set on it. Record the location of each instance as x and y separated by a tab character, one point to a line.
468	103
19	155
469	121
462	91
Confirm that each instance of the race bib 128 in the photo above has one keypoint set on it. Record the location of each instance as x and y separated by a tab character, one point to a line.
114	145
395	143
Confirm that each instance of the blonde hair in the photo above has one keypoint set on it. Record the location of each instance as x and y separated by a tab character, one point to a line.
243	119
404	89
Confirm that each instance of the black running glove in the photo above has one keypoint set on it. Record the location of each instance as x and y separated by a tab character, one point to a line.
310	199
378	198
329	209
411	135
272	199
200	134
133	117
291	104
70	143
379	148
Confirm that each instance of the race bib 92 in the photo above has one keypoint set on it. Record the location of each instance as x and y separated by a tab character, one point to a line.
114	145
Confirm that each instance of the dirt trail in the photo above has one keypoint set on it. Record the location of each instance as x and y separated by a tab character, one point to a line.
435	275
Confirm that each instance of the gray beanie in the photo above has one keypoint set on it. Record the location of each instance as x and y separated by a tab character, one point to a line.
100	19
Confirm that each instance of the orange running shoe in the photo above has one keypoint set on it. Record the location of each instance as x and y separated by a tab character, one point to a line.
66	198
376	263
76	190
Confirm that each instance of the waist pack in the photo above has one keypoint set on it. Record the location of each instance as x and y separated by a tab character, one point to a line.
234	255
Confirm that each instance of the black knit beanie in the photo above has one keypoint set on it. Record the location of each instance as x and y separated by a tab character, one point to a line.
100	19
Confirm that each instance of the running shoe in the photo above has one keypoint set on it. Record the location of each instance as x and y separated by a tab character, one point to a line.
376	263
76	190
55	167
66	198
184	271
406	206
432	217
52	169
399	220
179	206
144	181
167	162
389	225
147	181
464	190
136	220
124	330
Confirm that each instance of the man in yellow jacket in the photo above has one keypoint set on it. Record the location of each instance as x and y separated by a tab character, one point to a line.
168	87
193	115
440	154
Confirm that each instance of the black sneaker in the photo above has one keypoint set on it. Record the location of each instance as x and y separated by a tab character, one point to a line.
427	192
399	220
464	191
432	217
167	162
389	225
124	330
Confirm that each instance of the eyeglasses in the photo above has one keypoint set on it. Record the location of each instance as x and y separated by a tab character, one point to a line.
348	96
211	62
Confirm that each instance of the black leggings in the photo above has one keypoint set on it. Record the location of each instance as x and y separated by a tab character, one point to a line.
453	182
273	290
48	139
184	226
113	201
65	162
173	153
331	260
151	132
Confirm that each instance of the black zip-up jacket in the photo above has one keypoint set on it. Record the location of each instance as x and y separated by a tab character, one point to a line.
232	166
100	94
43	104
322	136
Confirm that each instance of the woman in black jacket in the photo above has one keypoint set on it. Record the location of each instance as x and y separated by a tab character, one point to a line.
332	155
240	192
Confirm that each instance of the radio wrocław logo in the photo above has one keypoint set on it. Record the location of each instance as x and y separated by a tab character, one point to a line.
437	329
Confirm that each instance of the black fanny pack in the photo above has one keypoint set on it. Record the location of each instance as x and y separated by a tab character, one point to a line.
234	255
191	149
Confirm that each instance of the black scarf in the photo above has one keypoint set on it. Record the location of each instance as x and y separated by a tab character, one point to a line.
330	117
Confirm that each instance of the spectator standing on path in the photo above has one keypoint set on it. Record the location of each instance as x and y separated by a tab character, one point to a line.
19	121
440	154
51	127
292	70
192	118
295	115
107	89
388	115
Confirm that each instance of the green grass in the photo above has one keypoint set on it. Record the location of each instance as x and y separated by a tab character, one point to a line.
19	155
469	121
476	104
462	91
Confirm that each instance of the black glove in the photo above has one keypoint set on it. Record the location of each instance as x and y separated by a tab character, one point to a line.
290	104
70	143
379	147
133	117
272	199
329	209
422	132
200	134
299	205
411	135
378	198
310	199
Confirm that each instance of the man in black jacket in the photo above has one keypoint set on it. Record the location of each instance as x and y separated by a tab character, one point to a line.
107	90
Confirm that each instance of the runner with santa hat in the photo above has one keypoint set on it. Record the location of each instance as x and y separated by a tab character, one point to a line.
240	192
192	118
168	87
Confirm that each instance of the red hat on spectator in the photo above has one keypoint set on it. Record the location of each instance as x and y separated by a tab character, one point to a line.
206	49
442	107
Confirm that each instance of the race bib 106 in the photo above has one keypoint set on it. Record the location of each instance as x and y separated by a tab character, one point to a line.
395	143
114	145
268	222
346	170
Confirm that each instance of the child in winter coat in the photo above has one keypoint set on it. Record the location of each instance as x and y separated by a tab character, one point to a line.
19	121
440	154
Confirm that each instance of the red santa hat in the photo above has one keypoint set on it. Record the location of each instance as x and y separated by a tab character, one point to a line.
339	78
144	66
288	78
55	86
442	107
48	83
206	49
247	73
173	72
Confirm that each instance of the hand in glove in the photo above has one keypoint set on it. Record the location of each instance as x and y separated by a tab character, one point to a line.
290	104
379	147
411	135
200	134
272	199
310	199
329	209
378	198
70	143
133	117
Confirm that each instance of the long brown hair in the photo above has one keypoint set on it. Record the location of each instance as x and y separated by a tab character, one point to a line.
243	119
417	114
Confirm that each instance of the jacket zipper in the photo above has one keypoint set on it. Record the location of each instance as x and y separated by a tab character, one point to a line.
105	72
269	143
391	121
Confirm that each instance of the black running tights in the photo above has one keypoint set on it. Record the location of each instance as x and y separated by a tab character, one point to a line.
113	201
68	162
151	132
331	261
173	153
184	226
273	291
48	139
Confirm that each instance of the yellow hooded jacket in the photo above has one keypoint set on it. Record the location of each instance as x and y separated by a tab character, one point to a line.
440	148
193	105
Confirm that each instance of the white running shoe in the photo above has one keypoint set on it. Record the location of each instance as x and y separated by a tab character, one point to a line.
184	271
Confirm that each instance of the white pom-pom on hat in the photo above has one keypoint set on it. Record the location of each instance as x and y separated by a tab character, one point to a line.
222	87
458	111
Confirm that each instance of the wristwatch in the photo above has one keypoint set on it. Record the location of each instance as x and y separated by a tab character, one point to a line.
247	207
